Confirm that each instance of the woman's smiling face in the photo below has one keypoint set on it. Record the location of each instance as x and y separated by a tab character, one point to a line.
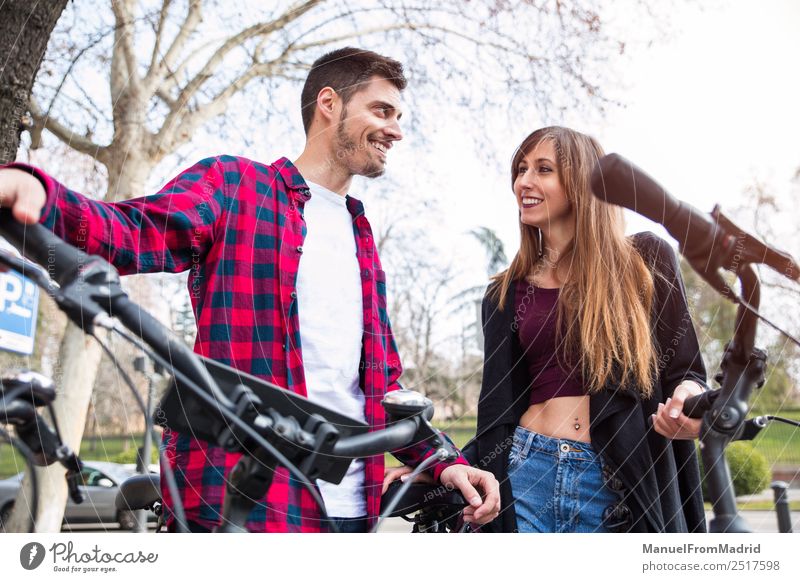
540	195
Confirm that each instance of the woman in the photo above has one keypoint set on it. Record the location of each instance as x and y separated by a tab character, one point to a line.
589	355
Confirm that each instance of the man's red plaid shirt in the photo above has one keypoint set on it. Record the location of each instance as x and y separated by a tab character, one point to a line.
237	226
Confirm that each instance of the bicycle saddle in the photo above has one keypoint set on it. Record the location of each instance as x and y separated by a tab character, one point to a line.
139	492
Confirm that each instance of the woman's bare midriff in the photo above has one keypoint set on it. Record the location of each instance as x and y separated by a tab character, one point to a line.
559	417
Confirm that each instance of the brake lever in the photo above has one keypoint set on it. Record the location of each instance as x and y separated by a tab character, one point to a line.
402	404
74	465
29	269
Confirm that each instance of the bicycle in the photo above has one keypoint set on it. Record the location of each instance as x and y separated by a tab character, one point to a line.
219	404
21	395
711	246
430	508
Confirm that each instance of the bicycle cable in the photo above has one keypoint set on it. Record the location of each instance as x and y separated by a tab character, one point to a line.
770	417
754	311
405	487
169	475
233	419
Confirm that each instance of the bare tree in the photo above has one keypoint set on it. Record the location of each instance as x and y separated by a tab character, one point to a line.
170	70
24	32
25	28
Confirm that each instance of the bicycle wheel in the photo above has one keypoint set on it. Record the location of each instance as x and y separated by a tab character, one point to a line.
16	458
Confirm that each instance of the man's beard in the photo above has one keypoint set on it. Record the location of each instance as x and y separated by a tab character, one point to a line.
347	150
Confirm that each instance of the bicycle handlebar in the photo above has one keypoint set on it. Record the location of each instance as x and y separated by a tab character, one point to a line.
368	444
696	406
41	246
20	396
100	295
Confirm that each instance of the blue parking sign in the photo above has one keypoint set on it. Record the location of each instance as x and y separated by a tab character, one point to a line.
19	305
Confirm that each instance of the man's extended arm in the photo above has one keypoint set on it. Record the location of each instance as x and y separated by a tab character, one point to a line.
162	232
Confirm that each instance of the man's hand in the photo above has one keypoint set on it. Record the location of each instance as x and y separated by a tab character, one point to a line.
670	421
23	194
394	473
465	479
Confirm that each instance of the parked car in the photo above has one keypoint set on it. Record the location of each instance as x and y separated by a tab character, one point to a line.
100	483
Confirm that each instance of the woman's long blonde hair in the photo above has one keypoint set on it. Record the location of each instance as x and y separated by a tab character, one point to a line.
604	305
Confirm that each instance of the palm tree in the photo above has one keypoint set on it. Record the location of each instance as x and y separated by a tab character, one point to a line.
496	260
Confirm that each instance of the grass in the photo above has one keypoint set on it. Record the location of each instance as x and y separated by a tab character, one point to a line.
94	449
759	506
779	443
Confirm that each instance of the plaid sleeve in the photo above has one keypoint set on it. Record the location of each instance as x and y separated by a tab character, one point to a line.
414	454
168	231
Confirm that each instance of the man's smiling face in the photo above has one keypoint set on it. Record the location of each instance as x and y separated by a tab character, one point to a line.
368	127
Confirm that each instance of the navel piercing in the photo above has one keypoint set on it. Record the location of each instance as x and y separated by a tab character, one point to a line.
577	424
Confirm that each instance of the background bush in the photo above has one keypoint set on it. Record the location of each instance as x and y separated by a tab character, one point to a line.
750	471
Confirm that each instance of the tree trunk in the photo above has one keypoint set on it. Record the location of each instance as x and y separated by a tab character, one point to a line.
80	357
25	28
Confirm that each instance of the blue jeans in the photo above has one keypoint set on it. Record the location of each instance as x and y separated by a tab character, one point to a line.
557	484
351	524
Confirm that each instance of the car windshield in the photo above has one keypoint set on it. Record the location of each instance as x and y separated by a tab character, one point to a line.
115	472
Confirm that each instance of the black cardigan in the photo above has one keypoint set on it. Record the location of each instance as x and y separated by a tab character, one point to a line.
661	476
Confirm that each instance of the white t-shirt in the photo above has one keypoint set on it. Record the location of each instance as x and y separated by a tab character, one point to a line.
331	328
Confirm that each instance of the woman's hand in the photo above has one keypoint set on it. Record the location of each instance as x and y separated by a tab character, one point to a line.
670	421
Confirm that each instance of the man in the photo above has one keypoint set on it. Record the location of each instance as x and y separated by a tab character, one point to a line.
285	282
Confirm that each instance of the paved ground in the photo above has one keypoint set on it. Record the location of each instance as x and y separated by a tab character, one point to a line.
759	521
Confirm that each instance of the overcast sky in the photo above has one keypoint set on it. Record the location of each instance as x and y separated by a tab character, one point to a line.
708	111
706	114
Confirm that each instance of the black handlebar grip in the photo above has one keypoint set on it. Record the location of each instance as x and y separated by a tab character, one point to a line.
74	482
29	386
394	437
40	245
696	406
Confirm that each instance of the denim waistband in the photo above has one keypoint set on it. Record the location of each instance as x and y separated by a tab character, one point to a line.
559	447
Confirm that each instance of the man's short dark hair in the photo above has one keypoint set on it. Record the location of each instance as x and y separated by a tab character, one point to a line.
346	71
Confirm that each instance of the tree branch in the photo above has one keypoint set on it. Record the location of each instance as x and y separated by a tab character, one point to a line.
124	40
260	29
187	121
782	286
356	34
77	142
162	94
178	122
159	30
158	72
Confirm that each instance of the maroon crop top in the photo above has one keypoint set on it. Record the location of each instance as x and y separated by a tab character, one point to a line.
536	314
